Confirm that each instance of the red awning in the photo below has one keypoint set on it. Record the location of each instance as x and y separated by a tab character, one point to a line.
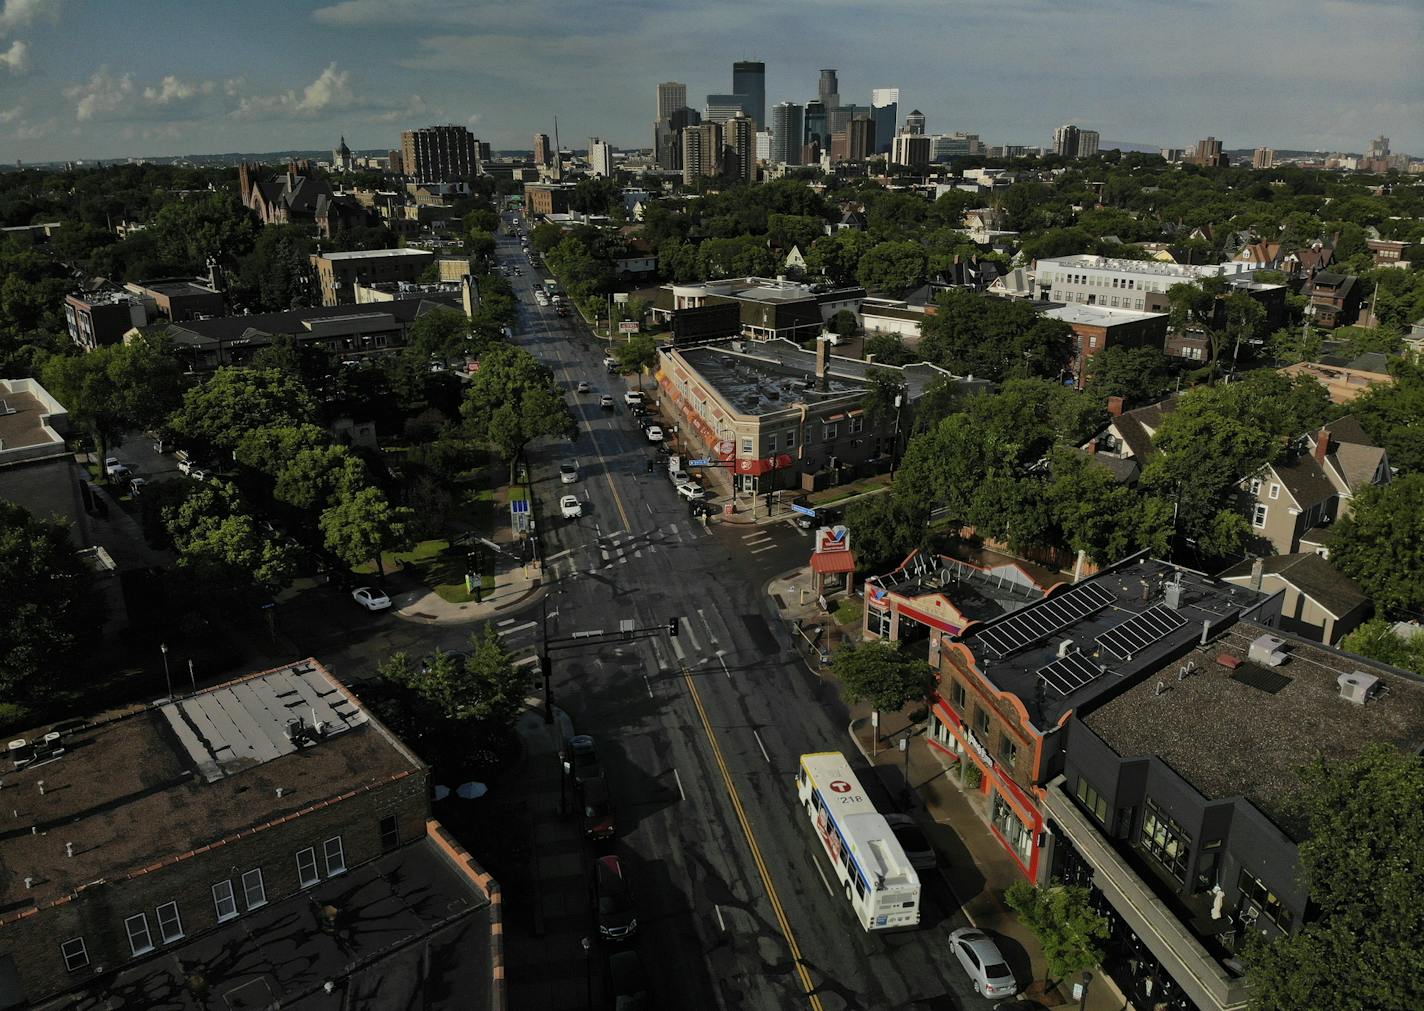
757	466
830	562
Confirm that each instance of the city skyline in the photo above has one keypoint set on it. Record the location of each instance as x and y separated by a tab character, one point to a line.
89	82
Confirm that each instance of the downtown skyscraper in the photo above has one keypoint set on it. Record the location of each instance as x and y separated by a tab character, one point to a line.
885	111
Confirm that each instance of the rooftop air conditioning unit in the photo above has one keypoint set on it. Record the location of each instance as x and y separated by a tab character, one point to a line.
1064	648
1357	686
1267	650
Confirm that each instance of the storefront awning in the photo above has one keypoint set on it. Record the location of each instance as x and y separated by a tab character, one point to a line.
757	467
831	562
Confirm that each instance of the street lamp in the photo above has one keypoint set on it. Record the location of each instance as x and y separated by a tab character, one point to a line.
166	677
895	445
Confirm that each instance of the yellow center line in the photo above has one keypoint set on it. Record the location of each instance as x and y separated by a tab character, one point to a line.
807	984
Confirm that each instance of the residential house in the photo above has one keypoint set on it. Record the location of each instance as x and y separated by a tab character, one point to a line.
1334	299
1388	252
1319	602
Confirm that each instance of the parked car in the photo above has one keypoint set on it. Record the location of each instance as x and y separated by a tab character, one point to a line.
568	473
679	476
981	959
136	486
570	507
701	507
582	387
613	900
654	433
643	419
114	467
633	397
691	491
371	598
627	982
609	362
198	474
597	810
579	756
917	848
606	402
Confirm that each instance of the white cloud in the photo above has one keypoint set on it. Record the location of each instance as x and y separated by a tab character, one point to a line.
172	89
22	13
352	13
102	95
329	92
11	114
17	58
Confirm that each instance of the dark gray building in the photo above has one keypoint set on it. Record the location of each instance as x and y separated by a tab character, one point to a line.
749	79
788	133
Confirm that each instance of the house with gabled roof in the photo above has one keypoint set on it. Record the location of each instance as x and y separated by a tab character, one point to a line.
1318	600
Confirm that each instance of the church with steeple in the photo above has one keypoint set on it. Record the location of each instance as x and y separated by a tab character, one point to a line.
341	159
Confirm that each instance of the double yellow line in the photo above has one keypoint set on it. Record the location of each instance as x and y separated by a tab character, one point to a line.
808	986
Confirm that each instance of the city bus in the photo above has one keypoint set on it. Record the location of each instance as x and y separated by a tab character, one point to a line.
880	885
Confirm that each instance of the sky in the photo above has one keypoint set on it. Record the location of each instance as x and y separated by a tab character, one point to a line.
106	79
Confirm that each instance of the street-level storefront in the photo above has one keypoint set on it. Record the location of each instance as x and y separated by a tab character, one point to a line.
1013	816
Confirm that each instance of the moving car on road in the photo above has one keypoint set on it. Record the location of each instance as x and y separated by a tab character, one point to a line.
582	387
570	507
568	473
606	402
613	900
691	491
371	598
981	959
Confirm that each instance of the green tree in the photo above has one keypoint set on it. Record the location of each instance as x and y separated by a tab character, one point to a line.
993	338
888	349
47	610
233	402
892	266
637	356
1062	918
885	529
1101	517
838	256
1359	949
320	475
513	400
1377	640
269	449
1138	375
218	542
479	244
361	527
441	333
880	673
1393	415
1381	543
843	323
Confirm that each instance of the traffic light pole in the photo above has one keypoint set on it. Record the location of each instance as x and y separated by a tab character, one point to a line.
594	637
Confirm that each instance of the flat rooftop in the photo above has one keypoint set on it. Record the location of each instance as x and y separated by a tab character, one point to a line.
763	384
176	286
144	787
763	289
1098	315
1231	738
1153	267
20	421
1110	628
372	254
410	927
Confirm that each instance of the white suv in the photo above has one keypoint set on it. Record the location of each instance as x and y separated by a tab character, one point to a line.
691	491
633	398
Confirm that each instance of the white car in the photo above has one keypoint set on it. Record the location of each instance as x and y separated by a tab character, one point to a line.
136	486
606	402
679	476
570	507
114	467
197	474
582	387
568	473
633	398
610	362
654	433
984	963
691	491
371	598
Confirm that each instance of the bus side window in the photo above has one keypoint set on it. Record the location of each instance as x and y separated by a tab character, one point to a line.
859	885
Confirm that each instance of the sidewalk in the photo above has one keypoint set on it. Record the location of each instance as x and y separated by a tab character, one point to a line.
974	862
428	607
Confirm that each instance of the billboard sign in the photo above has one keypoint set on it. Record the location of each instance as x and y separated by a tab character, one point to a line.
830	540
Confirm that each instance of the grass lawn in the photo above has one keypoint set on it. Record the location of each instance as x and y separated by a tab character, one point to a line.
436	564
847	613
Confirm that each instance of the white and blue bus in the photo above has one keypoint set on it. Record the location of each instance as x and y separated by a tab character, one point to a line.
879	882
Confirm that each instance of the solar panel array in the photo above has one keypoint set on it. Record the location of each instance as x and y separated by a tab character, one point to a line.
1068	674
1039	621
1136	634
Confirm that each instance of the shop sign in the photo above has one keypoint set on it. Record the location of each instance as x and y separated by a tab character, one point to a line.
978	748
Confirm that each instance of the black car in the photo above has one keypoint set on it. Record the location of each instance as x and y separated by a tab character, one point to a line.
579	756
628	984
613	900
702	508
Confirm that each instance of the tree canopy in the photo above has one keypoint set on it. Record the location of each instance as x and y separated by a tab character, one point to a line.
512	400
1381	543
880	673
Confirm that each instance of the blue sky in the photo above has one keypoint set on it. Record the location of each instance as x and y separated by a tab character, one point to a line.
115	78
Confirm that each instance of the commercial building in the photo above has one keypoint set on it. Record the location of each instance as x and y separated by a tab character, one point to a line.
440	153
944	146
861	139
885	110
234	840
788	133
720	108
828	89
600	158
778	416
1176	797
701	151
33	425
749	79
548	198
667	137
105	314
915	122
945	594
911	149
740	134
337	273
672	95
1125	284
817	129
1095	327
761	308
543	152
1087	143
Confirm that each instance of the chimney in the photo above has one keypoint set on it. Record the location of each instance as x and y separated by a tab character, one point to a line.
1093	446
823	361
1258	572
1115	406
1322	446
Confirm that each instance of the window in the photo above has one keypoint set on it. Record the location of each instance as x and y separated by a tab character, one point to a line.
957	695
76	956
1164	839
335	857
771	443
139	941
253	891
170	926
1008	750
224	901
306	867
1018	835
790	439
981	721
1258	515
746	447
390	833
857	425
1254	893
1093	800
1254	486
828	432
1275	491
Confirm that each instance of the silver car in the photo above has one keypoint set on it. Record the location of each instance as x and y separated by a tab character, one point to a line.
984	963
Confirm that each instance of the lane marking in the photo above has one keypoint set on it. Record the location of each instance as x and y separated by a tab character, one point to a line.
708	625
648	685
692	637
678	780
762	747
769	547
720	923
677	648
724	668
517	628
808	986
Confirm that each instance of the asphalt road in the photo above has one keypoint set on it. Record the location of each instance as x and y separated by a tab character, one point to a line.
701	734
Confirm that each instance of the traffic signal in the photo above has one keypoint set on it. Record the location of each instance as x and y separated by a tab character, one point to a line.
672	627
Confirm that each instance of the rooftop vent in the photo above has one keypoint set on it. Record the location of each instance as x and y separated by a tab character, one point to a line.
1064	648
1358	687
1267	649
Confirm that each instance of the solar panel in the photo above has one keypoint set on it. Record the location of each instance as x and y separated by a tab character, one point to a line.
1137	633
1038	621
1068	674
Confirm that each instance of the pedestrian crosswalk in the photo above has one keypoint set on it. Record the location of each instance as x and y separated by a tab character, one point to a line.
520	640
759	541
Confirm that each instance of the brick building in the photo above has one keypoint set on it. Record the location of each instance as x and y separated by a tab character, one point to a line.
136	837
1095	327
547	198
338	273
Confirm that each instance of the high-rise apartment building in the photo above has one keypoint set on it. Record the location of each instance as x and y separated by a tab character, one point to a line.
829	89
740	138
672	95
667	137
788	133
1263	158
763	145
701	151
860	139
885	110
543	152
1065	141
749	80
915	122
439	153
816	125
1087	143
600	157
911	149
1208	153
1379	147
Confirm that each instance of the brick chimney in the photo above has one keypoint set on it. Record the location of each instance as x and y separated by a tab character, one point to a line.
1322	446
823	362
1092	445
1115	406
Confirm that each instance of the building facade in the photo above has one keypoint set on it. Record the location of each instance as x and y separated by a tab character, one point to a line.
440	153
749	79
1065	141
701	152
600	158
1207	153
788	133
740	134
337	273
885	106
915	122
861	139
543	151
1125	284
672	95
1095	327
